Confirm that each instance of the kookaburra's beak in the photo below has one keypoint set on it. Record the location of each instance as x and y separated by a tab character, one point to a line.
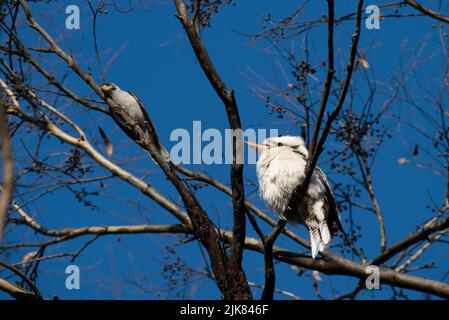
257	147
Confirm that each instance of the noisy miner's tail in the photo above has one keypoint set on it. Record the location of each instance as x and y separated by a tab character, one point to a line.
162	151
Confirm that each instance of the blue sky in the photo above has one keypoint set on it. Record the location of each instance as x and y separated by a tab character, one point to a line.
157	63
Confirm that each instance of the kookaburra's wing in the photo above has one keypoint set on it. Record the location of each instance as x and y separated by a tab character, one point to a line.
332	217
147	123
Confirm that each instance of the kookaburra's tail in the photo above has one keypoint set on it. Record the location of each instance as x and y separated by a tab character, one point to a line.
326	221
320	236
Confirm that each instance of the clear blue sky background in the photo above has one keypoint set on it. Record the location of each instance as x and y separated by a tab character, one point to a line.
157	63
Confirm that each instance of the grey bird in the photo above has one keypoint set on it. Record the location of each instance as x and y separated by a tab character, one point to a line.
280	169
123	103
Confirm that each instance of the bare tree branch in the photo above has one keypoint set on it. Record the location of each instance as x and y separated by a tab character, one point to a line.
415	237
341	266
59	51
30	283
427	11
300	190
8	165
329	75
16	292
270	275
238	277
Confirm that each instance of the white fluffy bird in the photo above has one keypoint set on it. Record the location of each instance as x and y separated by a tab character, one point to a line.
280	169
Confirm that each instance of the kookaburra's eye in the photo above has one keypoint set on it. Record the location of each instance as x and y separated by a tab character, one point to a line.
280	144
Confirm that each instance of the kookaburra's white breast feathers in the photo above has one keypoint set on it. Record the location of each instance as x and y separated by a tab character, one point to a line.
280	169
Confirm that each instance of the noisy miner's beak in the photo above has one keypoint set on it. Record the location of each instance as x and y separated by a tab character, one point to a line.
105	88
258	147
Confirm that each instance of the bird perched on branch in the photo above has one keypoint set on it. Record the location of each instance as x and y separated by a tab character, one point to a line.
128	111
280	169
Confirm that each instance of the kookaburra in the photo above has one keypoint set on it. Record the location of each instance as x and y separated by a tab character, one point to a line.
280	169
127	104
